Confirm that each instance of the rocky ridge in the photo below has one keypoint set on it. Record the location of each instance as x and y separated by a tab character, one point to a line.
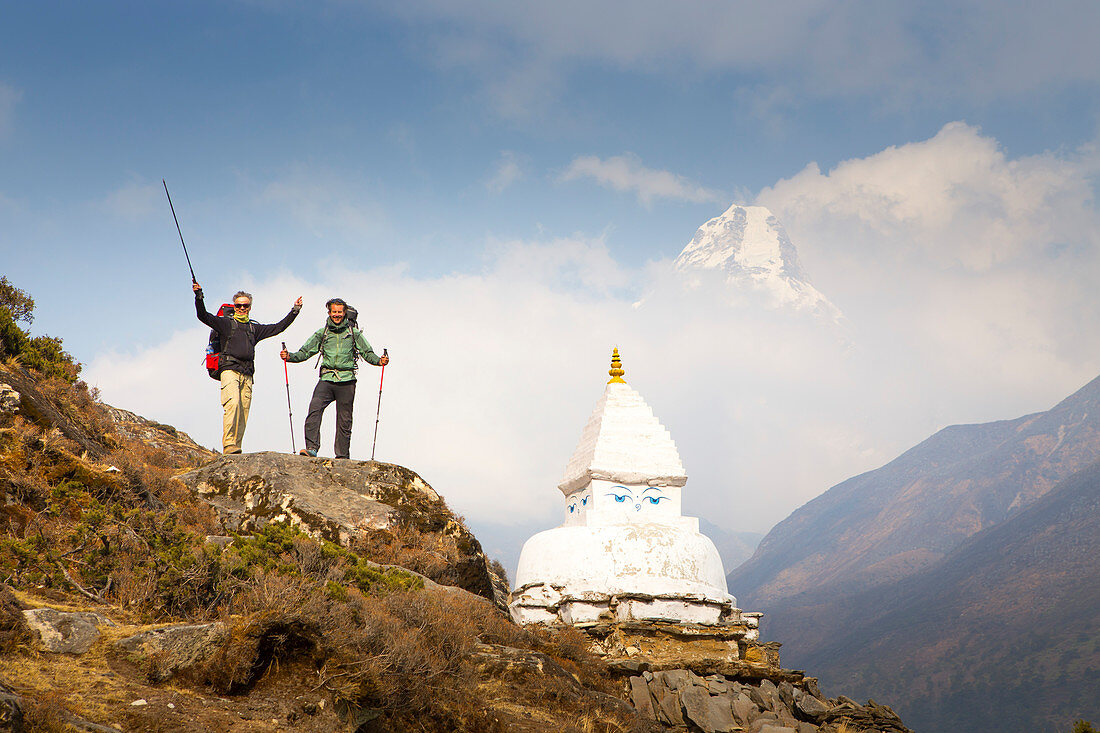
342	501
428	613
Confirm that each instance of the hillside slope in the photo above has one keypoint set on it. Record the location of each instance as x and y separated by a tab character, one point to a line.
1006	628
888	523
126	605
961	579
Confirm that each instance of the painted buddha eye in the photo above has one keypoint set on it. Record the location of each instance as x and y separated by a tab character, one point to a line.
572	508
584	501
623	496
655	499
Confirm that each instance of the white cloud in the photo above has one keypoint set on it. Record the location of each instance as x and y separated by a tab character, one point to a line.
961	258
956	197
135	201
326	204
9	99
981	50
494	373
627	173
508	170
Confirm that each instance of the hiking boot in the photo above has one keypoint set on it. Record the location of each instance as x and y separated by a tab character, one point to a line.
307	452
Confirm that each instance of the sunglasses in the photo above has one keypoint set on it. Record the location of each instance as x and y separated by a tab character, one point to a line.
244	306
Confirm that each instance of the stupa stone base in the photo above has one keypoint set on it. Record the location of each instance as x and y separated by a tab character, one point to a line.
732	649
544	603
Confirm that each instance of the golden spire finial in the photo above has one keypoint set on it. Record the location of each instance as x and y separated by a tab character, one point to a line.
616	370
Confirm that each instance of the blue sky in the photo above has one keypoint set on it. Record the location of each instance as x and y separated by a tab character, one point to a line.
459	165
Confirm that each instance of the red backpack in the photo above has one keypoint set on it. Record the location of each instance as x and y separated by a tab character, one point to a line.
214	345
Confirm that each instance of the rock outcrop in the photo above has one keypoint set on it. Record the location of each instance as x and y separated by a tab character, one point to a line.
37	406
163	652
718	679
683	700
178	445
9	399
63	632
342	501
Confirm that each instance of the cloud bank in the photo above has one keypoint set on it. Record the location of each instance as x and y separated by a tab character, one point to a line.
966	276
980	50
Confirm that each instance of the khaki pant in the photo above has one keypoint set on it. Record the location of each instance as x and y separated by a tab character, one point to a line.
236	399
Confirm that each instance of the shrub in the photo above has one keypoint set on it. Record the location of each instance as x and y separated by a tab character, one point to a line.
13	626
17	302
41	353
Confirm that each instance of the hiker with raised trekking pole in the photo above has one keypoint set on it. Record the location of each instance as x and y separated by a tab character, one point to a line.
341	344
234	358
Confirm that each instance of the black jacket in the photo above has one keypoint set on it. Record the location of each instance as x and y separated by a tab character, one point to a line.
239	339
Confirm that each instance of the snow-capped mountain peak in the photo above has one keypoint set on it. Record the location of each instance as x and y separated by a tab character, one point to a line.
750	246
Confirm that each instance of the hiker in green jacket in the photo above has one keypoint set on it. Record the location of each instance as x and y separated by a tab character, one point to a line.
340	343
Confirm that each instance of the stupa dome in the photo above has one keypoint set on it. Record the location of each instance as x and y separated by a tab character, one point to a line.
624	550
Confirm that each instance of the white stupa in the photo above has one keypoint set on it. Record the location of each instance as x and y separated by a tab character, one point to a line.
624	552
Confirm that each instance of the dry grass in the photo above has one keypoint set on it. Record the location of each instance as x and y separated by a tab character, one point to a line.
403	654
14	633
431	554
116	530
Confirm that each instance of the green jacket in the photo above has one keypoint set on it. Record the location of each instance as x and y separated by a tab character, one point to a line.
338	348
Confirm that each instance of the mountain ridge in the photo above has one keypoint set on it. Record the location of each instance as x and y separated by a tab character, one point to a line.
1003	637
959	579
958	481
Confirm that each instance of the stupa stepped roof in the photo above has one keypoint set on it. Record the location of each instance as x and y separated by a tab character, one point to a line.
624	442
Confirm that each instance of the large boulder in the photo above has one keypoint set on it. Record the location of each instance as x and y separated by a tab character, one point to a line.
342	501
65	632
164	652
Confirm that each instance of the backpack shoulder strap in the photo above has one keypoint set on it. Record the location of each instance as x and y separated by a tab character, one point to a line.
321	346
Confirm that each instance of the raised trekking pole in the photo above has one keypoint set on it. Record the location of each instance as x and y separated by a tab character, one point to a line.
378	412
289	411
173	208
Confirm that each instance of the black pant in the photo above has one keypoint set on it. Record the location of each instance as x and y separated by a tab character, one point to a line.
343	393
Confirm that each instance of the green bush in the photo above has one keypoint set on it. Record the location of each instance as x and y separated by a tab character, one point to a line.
17	302
41	353
1083	726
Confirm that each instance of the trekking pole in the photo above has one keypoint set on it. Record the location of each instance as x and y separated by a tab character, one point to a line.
378	412
289	411
173	208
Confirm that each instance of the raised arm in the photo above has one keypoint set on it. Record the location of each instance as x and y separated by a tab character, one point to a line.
200	309
264	331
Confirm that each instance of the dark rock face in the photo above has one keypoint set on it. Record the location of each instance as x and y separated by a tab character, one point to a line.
11	711
339	500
